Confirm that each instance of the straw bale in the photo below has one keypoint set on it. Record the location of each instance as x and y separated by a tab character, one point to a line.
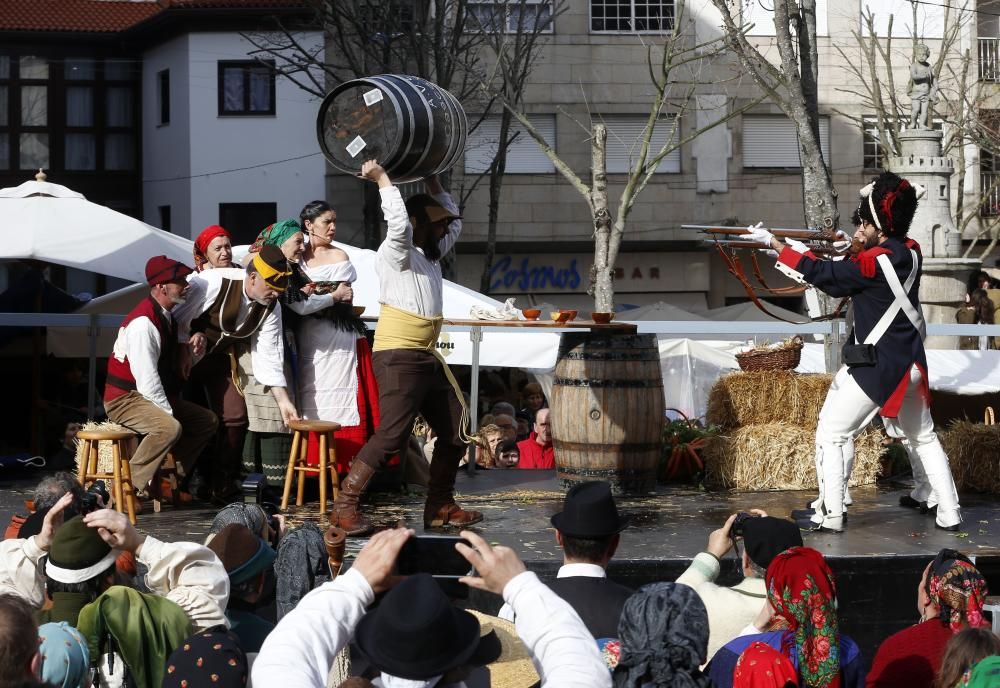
780	456
974	452
104	464
767	396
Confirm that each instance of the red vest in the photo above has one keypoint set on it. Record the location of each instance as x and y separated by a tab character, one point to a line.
120	379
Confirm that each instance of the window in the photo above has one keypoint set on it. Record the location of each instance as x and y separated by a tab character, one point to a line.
163	95
164	217
510	16
244	221
625	16
771	141
523	156
246	88
624	142
873	153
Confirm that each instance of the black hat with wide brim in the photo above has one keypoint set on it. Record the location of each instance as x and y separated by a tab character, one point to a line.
416	633
589	511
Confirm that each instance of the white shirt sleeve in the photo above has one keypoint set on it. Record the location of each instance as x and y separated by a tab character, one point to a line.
315	302
267	351
142	348
20	570
194	305
299	652
454	227
190	575
703	569
395	250
561	648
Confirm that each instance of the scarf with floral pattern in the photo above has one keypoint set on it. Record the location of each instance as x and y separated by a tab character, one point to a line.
761	666
801	590
957	587
275	234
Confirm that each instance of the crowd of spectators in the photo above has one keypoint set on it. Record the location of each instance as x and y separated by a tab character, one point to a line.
88	600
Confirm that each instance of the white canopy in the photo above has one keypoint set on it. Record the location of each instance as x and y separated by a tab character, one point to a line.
44	221
748	312
657	311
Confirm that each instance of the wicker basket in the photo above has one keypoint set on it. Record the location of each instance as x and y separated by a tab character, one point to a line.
785	358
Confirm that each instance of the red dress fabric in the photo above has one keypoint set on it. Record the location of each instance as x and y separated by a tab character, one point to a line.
910	658
533	455
350	439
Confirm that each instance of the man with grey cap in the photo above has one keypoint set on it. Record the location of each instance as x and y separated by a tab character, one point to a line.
731	610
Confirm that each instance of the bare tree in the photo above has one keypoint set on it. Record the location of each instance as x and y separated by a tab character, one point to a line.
674	68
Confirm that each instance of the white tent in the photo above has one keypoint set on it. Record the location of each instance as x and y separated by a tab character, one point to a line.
48	222
657	311
748	312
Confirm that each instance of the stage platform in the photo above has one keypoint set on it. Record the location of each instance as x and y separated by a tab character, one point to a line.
878	561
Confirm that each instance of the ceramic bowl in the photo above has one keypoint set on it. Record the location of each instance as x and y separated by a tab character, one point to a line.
531	313
559	316
602	317
570	315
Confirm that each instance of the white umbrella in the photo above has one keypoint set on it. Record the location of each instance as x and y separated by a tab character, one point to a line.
47	222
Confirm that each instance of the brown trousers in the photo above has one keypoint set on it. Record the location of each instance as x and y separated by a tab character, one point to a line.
186	433
411	382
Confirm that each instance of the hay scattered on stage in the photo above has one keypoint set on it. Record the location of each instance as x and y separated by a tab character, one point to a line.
974	452
779	456
104	464
760	397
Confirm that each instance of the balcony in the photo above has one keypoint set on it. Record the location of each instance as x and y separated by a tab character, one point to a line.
989	59
990	185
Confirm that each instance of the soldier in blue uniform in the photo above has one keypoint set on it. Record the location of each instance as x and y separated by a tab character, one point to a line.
885	366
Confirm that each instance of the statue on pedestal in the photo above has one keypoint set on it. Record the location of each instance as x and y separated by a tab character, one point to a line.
924	90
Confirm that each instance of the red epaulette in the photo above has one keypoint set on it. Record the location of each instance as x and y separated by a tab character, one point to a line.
866	260
910	243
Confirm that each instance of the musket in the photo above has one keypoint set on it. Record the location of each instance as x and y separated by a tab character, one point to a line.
808	234
734	243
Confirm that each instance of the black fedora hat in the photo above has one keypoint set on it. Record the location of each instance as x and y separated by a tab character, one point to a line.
589	511
416	633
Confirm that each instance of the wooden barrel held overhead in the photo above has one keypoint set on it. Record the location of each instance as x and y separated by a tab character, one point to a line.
412	127
607	410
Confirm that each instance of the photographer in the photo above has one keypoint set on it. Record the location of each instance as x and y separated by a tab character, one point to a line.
731	610
299	653
81	566
20	570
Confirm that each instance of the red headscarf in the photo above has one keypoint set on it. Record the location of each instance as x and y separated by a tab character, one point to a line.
761	666
202	242
801	590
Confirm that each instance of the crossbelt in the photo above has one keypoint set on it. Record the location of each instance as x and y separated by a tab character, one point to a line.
901	302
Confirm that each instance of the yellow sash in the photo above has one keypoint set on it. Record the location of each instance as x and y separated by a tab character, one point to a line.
400	329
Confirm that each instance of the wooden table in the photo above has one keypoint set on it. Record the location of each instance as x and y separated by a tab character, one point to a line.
475	329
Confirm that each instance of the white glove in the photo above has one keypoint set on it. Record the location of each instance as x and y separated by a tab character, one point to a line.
797	245
759	234
841	241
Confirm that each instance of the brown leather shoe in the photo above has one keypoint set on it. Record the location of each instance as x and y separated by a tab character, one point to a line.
450	514
345	513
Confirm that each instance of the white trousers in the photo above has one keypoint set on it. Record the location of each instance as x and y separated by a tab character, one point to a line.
847	410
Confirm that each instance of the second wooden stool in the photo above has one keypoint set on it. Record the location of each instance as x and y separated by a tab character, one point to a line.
122	490
297	460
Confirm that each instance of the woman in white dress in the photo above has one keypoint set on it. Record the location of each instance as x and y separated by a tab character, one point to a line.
336	382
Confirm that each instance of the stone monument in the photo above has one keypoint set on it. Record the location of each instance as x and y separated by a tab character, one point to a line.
945	272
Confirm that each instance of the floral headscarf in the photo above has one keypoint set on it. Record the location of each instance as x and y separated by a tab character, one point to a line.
761	666
958	589
275	234
201	244
210	658
801	590
664	638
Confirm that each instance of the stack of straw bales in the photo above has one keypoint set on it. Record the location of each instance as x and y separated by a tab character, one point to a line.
974	452
768	433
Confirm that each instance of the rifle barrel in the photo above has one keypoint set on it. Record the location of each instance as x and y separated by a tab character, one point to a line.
815	234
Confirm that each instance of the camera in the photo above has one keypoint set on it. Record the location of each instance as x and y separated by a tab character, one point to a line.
89	500
741	518
253	488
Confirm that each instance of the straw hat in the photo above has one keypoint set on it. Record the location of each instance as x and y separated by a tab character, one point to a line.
509	664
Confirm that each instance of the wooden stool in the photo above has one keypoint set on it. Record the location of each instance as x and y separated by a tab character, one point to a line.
167	471
122	489
297	460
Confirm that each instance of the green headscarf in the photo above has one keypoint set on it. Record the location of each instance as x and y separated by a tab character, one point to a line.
276	234
984	674
146	629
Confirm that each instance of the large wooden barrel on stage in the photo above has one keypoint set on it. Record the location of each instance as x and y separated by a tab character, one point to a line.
607	410
412	127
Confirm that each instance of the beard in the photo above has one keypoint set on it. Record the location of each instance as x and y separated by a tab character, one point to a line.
430	247
871	242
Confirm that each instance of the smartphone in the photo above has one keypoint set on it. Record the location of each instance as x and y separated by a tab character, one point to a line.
433	554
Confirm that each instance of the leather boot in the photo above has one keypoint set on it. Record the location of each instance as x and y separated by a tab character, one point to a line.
440	509
345	513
